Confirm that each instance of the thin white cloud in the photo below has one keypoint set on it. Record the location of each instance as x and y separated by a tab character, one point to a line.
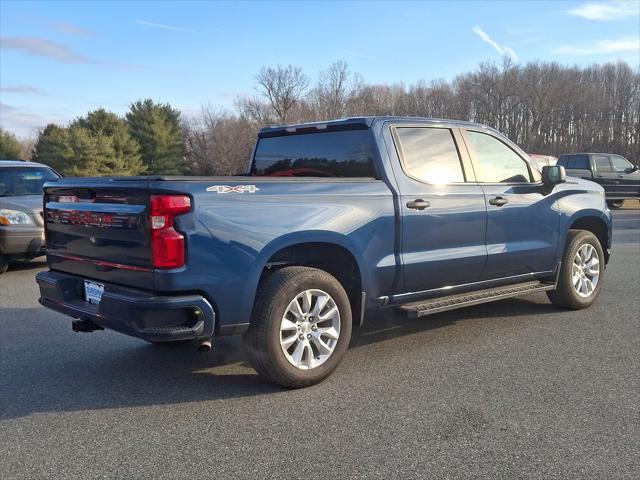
39	47
71	29
626	44
167	27
501	49
26	89
607	11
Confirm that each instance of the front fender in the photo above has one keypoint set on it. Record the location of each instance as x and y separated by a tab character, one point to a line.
581	203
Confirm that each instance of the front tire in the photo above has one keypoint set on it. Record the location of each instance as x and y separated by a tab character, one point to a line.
301	327
581	272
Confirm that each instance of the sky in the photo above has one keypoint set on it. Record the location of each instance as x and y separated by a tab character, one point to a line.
59	60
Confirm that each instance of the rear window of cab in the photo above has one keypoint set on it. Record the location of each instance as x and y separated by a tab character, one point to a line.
579	161
346	153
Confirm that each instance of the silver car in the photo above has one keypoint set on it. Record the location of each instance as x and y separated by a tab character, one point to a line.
21	222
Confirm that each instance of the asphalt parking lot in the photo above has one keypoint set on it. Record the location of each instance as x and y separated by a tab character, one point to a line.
515	389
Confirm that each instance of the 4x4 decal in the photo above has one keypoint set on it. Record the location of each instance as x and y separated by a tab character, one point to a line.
233	189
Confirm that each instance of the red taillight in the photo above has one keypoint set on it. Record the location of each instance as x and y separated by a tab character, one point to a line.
167	244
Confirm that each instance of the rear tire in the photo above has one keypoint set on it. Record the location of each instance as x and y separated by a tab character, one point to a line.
4	263
615	204
581	272
301	327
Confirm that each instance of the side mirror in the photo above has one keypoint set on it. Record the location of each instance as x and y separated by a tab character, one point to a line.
552	175
631	169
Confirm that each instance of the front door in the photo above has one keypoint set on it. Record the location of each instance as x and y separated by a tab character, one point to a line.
443	209
522	222
627	177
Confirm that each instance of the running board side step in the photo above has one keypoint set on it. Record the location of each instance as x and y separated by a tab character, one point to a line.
441	304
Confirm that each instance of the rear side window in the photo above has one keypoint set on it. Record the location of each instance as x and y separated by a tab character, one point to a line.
348	153
602	163
497	162
430	154
581	162
575	161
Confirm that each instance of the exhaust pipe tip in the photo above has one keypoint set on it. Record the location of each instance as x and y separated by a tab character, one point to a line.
204	346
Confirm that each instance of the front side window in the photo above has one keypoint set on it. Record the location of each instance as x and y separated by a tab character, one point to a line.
348	153
430	154
602	163
497	162
620	164
20	181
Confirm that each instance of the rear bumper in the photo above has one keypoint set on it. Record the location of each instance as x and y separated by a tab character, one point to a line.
132	312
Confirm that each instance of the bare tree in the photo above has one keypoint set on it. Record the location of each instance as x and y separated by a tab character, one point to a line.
256	110
27	144
544	107
331	95
283	87
219	143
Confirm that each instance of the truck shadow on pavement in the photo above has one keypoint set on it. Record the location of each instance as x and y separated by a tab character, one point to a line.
67	371
20	265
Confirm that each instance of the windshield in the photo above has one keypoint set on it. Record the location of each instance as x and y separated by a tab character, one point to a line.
20	181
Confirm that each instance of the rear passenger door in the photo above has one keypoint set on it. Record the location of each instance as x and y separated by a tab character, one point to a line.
604	173
522	222
443	210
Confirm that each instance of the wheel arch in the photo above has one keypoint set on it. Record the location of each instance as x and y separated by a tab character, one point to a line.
332	253
597	225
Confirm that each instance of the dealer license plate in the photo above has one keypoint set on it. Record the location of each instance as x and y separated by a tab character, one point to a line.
93	292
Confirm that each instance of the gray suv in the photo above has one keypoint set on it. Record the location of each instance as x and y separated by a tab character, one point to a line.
21	222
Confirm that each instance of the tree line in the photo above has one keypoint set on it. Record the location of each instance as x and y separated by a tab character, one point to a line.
544	107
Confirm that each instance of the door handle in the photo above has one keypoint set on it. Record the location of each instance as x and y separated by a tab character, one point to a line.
418	204
498	201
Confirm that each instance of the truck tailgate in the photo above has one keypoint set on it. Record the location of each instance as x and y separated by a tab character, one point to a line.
100	230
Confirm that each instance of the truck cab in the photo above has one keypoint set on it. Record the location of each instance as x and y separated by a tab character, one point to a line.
617	175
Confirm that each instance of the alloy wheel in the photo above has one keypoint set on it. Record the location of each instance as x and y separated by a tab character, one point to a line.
585	271
310	329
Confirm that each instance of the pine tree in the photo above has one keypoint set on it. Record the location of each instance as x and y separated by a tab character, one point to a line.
51	148
107	127
157	129
98	144
9	146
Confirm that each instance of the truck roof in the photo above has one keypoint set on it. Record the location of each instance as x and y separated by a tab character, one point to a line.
586	153
353	123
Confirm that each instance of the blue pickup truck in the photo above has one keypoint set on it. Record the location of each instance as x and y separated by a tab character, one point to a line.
333	220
